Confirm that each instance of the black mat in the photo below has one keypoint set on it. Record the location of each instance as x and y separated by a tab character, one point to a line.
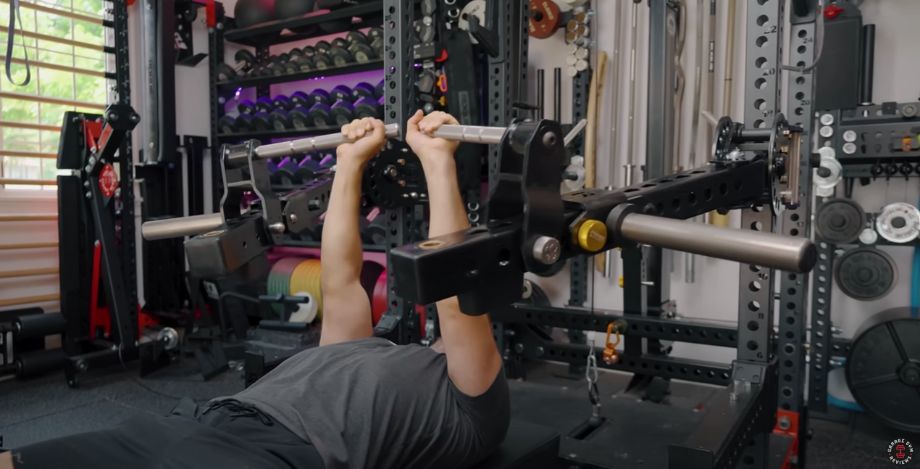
45	408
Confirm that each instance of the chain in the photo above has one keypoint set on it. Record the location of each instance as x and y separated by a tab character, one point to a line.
591	372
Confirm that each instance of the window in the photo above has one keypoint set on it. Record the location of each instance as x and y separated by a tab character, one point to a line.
65	42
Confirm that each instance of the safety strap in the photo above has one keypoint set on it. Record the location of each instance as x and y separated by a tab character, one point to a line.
14	15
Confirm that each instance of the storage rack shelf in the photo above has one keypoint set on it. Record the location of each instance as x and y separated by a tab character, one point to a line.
246	82
264	34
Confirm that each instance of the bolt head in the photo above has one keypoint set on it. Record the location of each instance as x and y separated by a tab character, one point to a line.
547	250
549	139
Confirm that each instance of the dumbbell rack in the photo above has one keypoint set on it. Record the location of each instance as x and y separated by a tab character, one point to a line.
264	35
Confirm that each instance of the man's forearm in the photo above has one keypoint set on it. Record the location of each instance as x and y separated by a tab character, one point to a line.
341	254
445	204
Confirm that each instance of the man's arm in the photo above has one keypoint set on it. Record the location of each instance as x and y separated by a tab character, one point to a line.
473	360
6	460
346	308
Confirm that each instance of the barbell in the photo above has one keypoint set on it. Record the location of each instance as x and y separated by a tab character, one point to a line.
746	246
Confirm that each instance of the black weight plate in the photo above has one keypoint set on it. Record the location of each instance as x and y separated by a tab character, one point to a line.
299	98
276	69
340	57
244	123
265	104
225	72
865	273
280	120
362	53
340	93
246	107
303	63
322	47
840	221
283	102
245	56
374	33
392	178
367	107
343	112
300	118
227	125
883	368
356	37
321	62
261	121
321	115
321	96
363	90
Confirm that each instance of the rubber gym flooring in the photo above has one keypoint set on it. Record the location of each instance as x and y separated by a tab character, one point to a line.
44	408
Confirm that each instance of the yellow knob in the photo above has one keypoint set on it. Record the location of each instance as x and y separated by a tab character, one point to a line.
592	235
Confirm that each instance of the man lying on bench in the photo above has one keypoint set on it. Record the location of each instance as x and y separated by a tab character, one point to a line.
356	401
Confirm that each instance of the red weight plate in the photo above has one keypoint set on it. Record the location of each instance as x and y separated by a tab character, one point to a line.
544	18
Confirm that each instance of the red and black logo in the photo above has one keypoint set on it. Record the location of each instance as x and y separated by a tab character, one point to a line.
900	451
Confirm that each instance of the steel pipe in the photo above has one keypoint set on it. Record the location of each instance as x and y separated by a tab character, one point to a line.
748	246
308	145
181	227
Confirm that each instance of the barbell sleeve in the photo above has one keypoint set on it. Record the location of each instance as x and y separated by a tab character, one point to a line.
181	226
790	254
311	144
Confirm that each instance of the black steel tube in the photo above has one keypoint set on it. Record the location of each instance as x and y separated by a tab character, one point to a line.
39	325
42	361
541	93
748	246
557	94
867	66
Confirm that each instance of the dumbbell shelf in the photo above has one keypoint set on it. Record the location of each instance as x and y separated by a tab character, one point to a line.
246	82
269	134
266	33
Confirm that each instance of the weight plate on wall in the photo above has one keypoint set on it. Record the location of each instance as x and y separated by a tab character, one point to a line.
883	368
475	8
840	221
866	273
828	174
544	18
899	222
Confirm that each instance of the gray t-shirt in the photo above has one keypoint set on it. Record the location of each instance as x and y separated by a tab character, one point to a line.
371	404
